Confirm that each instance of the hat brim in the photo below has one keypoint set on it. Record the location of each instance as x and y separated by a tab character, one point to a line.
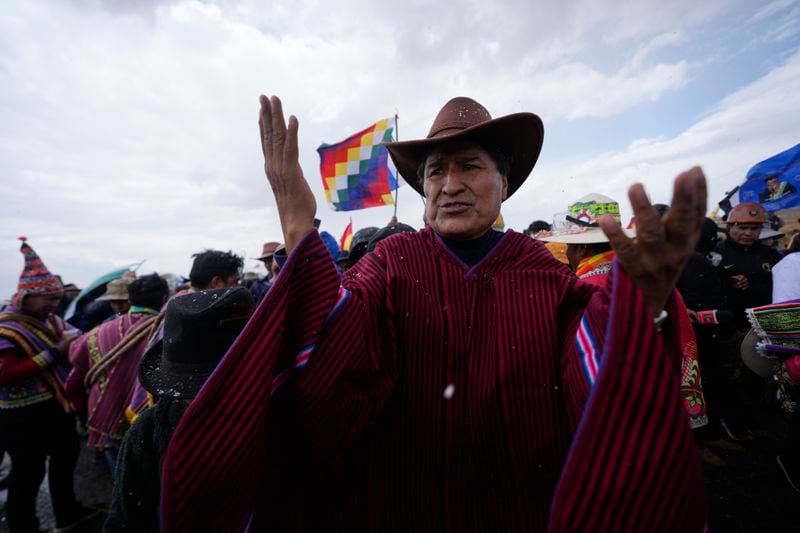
520	135
752	359
111	298
769	234
587	237
160	377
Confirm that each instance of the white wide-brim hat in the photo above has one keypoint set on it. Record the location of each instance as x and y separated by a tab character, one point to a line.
769	233
580	223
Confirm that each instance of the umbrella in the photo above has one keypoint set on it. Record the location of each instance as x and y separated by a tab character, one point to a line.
102	280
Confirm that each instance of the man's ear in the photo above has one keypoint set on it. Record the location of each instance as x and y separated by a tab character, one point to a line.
505	188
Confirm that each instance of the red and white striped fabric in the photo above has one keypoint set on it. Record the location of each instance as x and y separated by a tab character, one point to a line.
436	397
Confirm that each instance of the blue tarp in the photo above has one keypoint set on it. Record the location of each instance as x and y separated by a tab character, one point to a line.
774	182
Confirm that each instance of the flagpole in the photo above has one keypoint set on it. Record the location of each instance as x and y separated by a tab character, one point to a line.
396	178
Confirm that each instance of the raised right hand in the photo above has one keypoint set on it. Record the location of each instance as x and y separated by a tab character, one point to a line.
293	196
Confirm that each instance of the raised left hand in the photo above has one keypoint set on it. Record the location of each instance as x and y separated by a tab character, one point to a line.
656	257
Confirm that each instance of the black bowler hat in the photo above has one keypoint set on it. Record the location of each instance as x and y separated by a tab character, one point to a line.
387	232
198	330
358	246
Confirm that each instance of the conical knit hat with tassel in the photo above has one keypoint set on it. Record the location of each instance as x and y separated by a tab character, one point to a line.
35	278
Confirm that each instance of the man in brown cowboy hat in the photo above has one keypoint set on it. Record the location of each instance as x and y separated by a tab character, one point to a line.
260	287
444	384
267	251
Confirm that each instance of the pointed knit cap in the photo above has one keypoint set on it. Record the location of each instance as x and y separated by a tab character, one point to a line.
35	278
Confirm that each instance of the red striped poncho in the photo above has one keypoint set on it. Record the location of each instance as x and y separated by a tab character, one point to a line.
595	270
425	395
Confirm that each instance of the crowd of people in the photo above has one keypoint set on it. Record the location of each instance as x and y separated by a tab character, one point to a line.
456	377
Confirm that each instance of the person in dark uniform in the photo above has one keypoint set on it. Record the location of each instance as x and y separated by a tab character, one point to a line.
745	270
746	265
712	321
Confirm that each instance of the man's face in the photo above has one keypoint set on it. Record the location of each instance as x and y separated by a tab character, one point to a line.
40	306
120	306
772	184
745	234
72	293
463	190
574	255
225	282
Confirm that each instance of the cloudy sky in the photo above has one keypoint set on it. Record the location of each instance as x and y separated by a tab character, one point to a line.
129	131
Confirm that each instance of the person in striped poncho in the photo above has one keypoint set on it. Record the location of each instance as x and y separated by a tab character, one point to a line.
455	379
104	363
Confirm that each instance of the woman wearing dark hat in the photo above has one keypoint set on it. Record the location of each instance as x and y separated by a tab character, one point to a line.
445	384
198	330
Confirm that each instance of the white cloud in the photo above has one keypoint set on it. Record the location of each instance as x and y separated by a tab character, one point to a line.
129	129
747	126
774	7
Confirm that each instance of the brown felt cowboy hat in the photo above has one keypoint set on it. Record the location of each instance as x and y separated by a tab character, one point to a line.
268	250
519	135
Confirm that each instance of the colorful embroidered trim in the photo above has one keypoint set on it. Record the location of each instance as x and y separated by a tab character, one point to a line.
301	359
588	265
587	346
707	317
44	359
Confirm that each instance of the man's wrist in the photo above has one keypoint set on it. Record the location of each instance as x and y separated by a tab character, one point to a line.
294	234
